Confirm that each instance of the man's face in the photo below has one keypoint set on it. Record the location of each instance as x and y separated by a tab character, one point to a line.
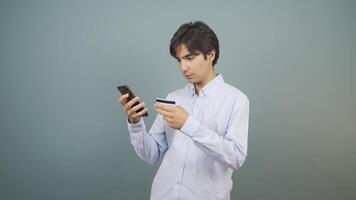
193	65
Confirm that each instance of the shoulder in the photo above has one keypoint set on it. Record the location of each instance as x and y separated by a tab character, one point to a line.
236	94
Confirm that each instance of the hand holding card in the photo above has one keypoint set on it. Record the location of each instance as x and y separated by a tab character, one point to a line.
174	115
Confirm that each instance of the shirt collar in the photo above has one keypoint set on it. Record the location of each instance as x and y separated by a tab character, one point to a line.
208	88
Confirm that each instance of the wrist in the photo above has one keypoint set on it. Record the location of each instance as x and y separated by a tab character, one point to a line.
131	121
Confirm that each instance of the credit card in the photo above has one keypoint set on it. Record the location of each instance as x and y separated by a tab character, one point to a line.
159	100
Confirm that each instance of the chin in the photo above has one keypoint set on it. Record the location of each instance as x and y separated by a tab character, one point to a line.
191	81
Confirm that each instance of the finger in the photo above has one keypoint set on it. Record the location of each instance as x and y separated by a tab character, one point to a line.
168	120
163	112
133	110
129	104
164	106
130	113
138	106
133	101
141	113
123	99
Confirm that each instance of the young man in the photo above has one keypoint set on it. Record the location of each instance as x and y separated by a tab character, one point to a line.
203	138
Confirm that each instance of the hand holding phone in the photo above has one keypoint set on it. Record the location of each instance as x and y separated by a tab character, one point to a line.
124	89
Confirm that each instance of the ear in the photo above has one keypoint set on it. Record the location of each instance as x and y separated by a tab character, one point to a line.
211	55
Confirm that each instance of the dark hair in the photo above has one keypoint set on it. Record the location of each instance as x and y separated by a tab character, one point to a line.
196	36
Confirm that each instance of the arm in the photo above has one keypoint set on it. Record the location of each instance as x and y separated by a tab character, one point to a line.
149	147
230	149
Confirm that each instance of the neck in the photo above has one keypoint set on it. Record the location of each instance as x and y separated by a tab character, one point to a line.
198	86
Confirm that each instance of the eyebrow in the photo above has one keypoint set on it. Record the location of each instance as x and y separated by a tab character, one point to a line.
189	55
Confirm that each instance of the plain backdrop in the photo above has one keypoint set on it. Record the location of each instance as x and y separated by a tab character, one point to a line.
63	134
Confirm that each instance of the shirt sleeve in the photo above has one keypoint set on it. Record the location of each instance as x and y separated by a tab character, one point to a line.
149	146
230	149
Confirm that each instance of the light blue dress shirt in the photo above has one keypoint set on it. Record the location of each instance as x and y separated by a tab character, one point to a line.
199	159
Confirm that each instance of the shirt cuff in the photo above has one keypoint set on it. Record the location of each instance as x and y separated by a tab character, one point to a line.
190	127
136	127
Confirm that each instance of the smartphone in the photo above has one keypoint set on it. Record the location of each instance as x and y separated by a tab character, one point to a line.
124	89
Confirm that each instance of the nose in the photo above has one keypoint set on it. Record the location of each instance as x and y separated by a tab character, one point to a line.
183	67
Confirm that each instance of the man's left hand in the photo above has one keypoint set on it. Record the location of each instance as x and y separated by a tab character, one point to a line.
175	116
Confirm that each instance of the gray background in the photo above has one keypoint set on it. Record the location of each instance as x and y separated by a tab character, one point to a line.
64	134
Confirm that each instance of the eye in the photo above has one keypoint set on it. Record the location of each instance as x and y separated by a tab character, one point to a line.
190	58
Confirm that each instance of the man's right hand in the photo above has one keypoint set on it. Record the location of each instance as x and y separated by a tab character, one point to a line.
131	111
